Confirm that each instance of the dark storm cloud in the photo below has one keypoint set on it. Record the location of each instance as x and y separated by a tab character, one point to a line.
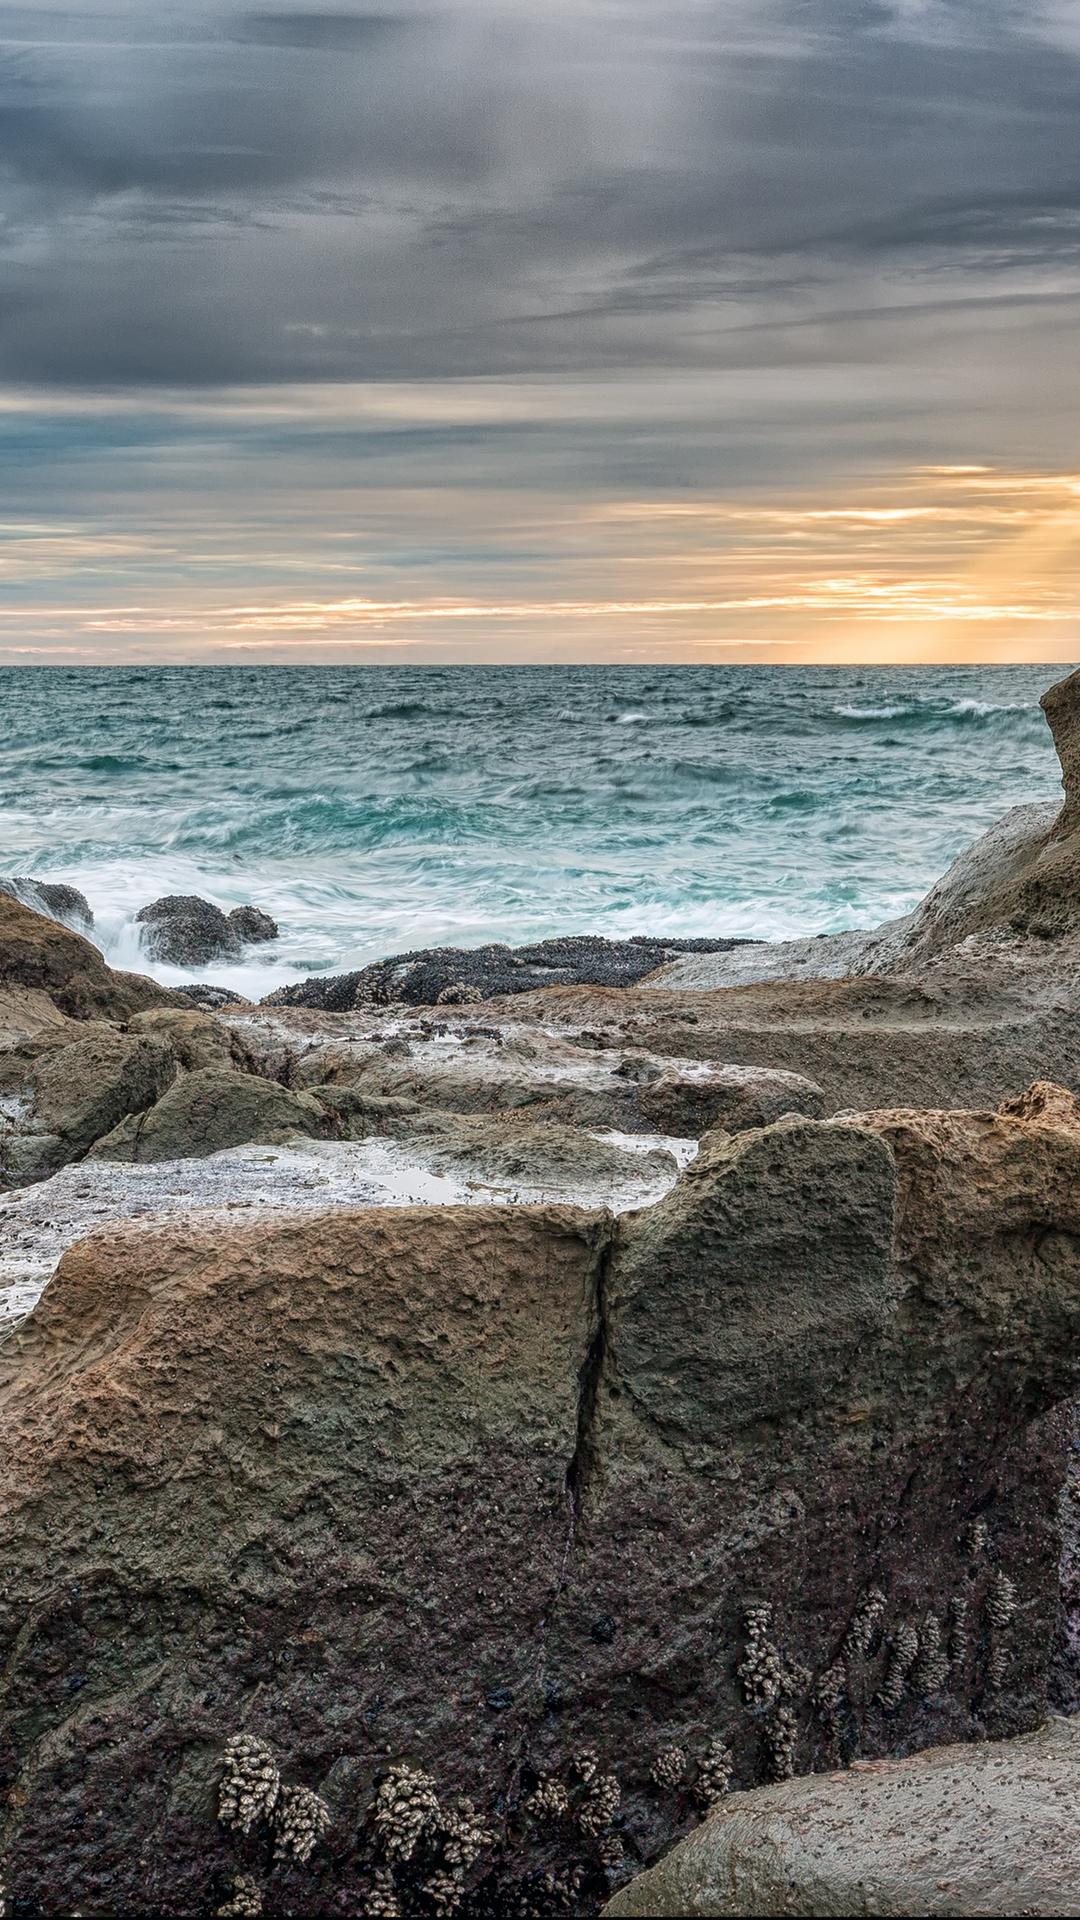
293	194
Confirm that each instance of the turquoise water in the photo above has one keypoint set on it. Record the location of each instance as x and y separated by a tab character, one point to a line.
371	810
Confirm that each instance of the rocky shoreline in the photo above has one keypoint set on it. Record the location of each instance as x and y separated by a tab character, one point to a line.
467	1421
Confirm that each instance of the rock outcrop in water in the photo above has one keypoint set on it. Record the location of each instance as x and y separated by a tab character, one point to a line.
52	898
460	976
182	930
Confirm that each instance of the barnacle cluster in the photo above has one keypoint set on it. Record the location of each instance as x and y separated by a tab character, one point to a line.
585	1764
300	1820
714	1776
959	1630
865	1624
829	1696
550	1800
250	1783
761	1669
1001	1601
405	1805
245	1901
459	994
902	1655
780	1737
667	1769
600	1805
381	1901
931	1669
464	1838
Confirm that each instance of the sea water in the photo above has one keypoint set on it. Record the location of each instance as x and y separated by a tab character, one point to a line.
374	810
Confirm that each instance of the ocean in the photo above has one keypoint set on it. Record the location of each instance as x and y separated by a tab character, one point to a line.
374	810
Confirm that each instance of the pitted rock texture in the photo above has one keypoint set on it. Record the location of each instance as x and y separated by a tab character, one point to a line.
530	1499
956	1830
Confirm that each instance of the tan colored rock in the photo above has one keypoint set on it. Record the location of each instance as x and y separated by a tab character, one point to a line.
40	954
959	1830
205	1111
199	1042
84	1090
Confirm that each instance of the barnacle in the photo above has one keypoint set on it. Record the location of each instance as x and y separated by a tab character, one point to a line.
760	1670
931	1669
865	1622
245	1903
714	1776
300	1820
405	1804
903	1653
585	1764
250	1783
667	1769
1001	1600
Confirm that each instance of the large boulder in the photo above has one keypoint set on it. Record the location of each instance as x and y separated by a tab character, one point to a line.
39	954
182	930
76	1093
208	1110
957	1830
580	1518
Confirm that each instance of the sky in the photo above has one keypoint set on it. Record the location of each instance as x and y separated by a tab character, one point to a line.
463	330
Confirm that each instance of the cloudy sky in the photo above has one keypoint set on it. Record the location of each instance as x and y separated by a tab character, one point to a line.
469	330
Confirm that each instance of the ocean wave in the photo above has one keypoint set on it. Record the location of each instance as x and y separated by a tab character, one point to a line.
877	713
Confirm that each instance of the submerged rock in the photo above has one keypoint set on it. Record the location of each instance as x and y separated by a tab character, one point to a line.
982	1829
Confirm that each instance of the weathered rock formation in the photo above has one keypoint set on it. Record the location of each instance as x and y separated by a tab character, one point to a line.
556	1510
957	1830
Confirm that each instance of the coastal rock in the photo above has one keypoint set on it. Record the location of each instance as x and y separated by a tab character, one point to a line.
458	976
197	1040
54	899
78	1092
529	1500
305	1479
253	926
205	1111
39	954
182	930
956	1830
735	1098
211	999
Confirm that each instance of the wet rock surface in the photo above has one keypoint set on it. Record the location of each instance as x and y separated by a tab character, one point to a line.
183	930
51	897
957	1830
461	976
